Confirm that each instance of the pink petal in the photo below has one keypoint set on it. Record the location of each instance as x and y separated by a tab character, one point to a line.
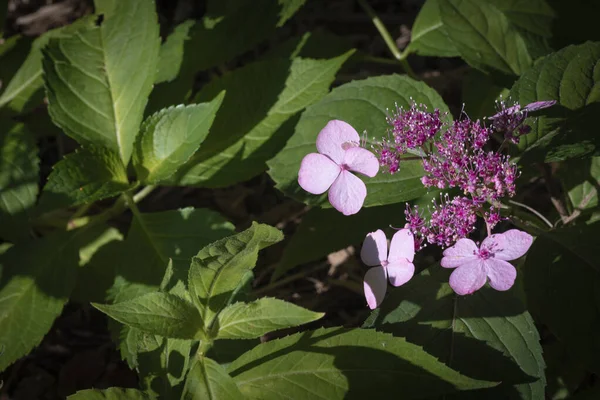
468	278
317	173
347	194
361	160
538	105
509	245
400	272
502	275
374	248
463	251
333	136
402	246
375	286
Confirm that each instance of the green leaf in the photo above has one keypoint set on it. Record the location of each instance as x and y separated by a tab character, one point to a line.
37	278
497	34
567	76
98	79
83	177
363	104
163	364
158	313
428	34
19	168
252	320
256	117
562	281
581	180
479	94
488	335
153	240
171	53
340	363
110	394
228	29
170	137
207	380
218	269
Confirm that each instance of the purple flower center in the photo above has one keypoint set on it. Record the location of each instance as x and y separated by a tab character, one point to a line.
484	254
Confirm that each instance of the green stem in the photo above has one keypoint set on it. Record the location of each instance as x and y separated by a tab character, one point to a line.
533	211
387	38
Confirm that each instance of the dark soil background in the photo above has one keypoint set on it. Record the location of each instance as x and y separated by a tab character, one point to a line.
78	352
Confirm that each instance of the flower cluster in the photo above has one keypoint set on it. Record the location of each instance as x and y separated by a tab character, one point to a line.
509	120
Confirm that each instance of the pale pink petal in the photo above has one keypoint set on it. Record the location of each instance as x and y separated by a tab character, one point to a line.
400	271
402	246
375	286
463	251
501	274
468	278
347	194
374	248
361	160
317	173
509	245
332	138
538	105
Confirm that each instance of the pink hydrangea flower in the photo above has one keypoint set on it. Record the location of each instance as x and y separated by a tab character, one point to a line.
475	265
339	153
395	266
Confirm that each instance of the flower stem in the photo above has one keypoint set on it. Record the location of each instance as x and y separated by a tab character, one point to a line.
387	38
533	211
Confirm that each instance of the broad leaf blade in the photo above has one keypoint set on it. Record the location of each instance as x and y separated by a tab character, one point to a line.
428	35
363	104
37	279
252	320
256	116
98	79
218	269
158	313
339	363
171	53
565	262
170	137
85	176
208	380
488	335
19	168
496	34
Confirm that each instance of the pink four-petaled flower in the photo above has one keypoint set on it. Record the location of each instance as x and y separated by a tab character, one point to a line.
339	153
396	266
475	265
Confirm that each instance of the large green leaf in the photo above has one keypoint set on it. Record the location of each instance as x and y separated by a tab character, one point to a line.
19	168
428	35
170	137
571	77
157	313
219	268
339	363
228	29
98	79
110	394
171	53
498	34
363	104
562	282
85	176
207	380
488	335
256	116
37	279
252	320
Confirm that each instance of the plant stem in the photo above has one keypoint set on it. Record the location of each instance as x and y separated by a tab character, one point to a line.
533	211
554	192
387	38
290	278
